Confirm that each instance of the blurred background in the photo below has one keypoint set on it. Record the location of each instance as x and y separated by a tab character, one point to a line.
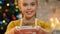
49	10
8	12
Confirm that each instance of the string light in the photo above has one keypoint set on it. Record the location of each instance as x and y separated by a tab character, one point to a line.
0	2
17	16
6	10
13	17
0	7
4	14
16	10
3	21
8	4
8	20
16	6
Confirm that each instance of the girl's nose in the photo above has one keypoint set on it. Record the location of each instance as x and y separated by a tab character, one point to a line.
29	7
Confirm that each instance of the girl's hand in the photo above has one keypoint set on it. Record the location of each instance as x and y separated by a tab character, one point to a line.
42	31
15	30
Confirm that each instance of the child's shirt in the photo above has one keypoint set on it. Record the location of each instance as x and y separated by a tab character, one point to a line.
44	25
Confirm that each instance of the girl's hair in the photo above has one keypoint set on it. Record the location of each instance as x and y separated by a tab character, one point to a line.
18	0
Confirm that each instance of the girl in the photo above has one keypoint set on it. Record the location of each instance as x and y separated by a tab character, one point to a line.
28	8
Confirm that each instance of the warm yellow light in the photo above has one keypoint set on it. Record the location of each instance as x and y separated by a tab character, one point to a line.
0	7
57	21
53	26
54	22
16	6
3	21
7	4
51	19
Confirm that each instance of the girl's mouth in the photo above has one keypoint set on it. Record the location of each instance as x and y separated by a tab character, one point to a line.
29	12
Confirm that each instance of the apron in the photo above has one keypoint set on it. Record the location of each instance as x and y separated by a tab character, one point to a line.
29	29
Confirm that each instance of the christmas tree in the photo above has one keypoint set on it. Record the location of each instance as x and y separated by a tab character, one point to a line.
8	12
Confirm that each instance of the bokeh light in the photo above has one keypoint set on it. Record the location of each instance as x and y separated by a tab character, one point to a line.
4	21
4	15
1	22
16	6
0	2
8	4
16	10
0	7
6	10
17	16
8	20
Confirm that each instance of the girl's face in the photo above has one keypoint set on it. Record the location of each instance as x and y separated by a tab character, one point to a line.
28	7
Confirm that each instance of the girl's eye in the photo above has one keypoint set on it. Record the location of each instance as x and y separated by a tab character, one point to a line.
24	4
32	4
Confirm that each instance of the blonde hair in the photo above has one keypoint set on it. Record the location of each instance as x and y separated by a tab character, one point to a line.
18	0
